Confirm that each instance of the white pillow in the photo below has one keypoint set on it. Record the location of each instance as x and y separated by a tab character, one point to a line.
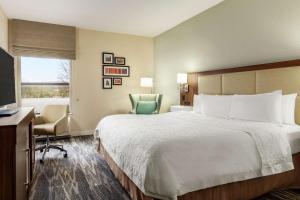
288	108
217	105
260	107
197	105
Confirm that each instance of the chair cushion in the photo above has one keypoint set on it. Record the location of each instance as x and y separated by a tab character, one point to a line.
146	107
44	129
52	113
148	97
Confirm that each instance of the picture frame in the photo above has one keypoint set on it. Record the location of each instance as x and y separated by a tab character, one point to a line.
106	83
115	71
108	58
117	81
120	60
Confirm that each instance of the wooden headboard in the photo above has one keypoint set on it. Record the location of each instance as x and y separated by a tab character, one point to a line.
247	80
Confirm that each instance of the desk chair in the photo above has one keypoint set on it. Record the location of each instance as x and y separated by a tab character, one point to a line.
51	122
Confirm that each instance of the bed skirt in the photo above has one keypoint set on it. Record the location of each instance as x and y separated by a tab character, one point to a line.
248	189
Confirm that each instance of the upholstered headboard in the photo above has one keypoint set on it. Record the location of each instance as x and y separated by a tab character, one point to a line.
250	80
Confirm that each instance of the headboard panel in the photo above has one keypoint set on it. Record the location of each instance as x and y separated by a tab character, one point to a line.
249	80
238	83
213	84
287	79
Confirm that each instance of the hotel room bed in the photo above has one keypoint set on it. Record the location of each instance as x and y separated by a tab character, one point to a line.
186	156
169	155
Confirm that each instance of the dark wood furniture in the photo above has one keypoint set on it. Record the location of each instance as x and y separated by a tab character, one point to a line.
16	150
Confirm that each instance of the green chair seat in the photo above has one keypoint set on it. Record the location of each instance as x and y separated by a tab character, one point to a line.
146	107
145	103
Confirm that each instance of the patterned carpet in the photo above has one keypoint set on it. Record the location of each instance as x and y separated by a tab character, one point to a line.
84	175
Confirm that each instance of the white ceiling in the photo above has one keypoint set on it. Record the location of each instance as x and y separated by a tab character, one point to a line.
137	17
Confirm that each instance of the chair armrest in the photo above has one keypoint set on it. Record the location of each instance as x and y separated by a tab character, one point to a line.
132	112
38	120
159	102
61	125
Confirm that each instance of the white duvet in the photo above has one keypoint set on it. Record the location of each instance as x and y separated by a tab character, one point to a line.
171	154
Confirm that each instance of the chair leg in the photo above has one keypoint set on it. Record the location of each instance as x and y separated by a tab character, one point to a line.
43	156
41	148
57	147
48	146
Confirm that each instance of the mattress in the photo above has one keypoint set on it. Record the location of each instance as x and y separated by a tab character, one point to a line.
248	189
171	154
293	133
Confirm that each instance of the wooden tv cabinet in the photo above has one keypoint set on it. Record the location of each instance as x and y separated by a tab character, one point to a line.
16	155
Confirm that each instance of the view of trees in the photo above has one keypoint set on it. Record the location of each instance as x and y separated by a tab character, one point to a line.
44	91
64	77
49	90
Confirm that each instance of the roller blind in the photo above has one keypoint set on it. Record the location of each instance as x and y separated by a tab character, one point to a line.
27	38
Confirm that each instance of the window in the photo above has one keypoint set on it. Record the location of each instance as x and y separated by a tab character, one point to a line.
44	81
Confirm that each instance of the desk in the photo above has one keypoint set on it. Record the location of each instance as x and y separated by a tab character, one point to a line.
17	155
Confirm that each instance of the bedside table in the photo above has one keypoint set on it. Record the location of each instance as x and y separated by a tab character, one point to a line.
181	108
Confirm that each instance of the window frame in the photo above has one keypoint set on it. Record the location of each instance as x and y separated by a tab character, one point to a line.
18	80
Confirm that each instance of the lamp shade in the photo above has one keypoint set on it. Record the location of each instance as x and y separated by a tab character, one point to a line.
146	82
181	78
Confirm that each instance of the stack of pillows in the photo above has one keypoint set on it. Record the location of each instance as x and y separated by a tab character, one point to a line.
268	107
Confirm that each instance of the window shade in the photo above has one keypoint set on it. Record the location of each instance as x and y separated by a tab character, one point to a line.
37	39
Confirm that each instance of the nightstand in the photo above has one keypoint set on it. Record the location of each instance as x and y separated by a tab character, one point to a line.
181	108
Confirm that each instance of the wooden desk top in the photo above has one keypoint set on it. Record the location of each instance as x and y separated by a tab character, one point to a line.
17	118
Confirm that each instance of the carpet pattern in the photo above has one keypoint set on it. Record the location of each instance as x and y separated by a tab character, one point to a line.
84	175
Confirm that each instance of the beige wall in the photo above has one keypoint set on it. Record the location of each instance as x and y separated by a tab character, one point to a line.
89	102
231	34
3	29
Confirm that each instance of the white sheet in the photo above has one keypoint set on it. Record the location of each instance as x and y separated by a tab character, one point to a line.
171	154
293	133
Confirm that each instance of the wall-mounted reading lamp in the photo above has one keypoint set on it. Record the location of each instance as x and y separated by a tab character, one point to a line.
182	81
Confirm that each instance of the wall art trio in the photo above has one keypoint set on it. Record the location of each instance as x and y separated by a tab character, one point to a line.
113	69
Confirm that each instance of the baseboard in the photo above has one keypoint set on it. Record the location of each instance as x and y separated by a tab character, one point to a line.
65	135
82	133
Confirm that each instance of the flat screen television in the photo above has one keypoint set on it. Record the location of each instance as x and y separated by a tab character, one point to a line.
7	82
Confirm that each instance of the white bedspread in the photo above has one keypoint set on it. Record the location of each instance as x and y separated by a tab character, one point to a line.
171	154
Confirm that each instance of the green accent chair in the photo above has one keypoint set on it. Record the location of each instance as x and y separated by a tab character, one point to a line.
145	103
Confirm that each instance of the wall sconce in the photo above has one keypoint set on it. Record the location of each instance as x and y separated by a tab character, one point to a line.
147	82
182	81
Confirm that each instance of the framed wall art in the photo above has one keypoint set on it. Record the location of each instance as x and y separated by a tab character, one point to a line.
107	58
117	81
116	71
107	83
120	61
